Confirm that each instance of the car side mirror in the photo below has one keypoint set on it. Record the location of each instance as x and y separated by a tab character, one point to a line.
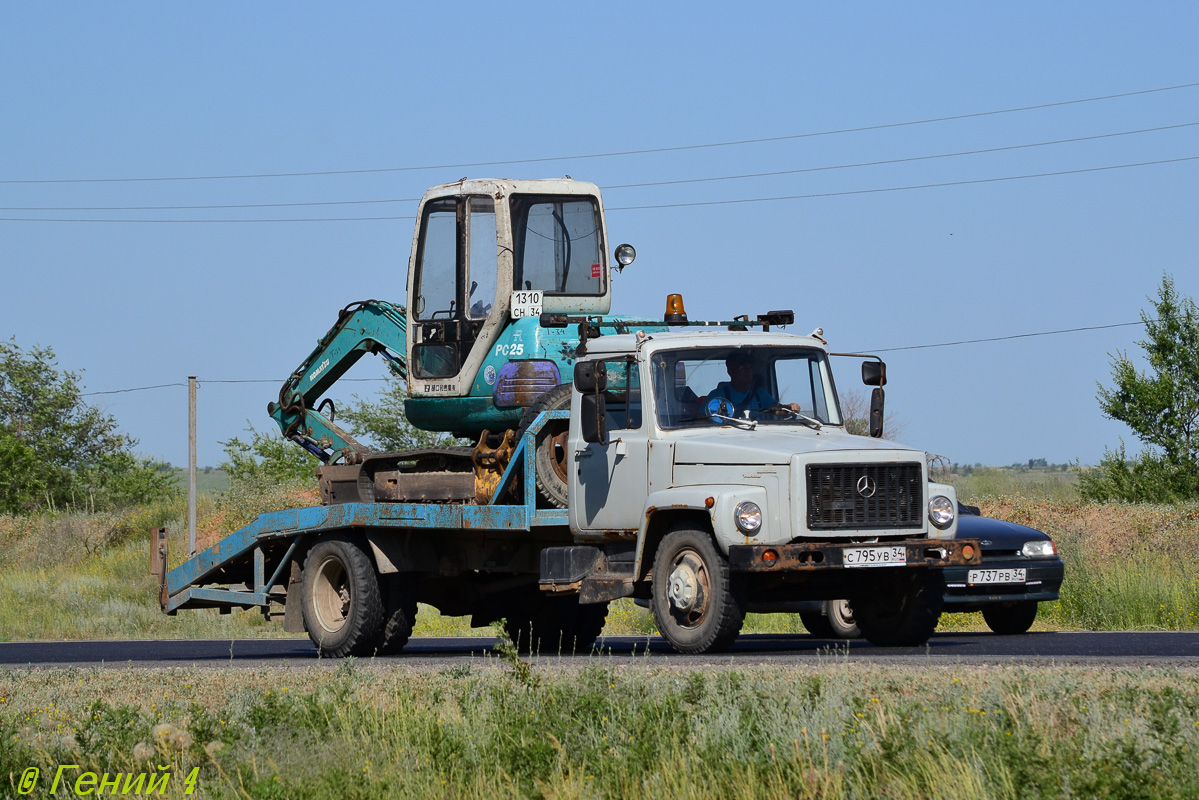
876	413
874	373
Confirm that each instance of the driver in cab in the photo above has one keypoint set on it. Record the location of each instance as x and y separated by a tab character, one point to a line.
744	390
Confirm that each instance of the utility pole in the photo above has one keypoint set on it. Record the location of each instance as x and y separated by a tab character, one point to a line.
191	466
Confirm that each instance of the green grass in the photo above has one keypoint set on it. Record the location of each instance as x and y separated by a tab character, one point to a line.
616	728
209	480
987	482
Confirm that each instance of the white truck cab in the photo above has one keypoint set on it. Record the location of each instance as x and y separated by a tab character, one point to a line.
721	459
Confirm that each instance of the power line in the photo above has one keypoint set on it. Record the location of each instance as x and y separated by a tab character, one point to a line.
902	188
202	381
1004	338
646	184
197	208
135	389
614	154
652	205
878	163
863	350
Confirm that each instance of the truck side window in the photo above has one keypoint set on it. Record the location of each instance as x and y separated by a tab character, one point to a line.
557	245
623	397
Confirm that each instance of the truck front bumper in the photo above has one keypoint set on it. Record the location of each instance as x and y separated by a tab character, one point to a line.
820	556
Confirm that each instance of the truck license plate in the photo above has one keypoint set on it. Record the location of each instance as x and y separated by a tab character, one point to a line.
874	556
1013	575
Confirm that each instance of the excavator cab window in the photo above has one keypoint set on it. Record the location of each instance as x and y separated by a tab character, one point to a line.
455	283
557	244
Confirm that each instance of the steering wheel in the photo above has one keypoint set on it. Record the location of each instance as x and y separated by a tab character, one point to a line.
718	409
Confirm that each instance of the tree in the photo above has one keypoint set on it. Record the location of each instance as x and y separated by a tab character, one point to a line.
384	424
855	409
1161	406
56	450
267	458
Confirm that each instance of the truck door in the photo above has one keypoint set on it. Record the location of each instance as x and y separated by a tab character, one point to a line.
608	489
455	285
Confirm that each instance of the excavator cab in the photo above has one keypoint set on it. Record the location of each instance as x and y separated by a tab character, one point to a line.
488	257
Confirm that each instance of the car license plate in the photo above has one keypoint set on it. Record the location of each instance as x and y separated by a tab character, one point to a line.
874	556
1013	575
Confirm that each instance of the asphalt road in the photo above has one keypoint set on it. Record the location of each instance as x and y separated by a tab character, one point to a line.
1176	649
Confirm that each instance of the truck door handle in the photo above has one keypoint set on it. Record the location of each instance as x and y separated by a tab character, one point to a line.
581	454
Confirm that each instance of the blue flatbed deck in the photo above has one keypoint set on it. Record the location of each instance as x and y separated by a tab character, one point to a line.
190	585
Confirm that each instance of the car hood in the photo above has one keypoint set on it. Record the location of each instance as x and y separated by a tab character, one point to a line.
997	534
776	446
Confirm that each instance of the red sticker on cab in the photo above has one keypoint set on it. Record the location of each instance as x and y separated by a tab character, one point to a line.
596	271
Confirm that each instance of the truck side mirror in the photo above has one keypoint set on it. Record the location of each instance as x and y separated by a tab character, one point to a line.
874	373
593	418
876	412
591	377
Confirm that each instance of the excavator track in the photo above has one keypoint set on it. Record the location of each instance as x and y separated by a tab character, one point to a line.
427	475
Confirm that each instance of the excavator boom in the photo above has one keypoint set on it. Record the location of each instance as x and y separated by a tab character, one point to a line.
369	326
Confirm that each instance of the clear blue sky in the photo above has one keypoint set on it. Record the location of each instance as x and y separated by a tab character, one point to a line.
119	90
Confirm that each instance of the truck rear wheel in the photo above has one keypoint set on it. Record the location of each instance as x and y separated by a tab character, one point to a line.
1011	618
556	625
695	605
901	610
835	620
343	608
399	615
550	455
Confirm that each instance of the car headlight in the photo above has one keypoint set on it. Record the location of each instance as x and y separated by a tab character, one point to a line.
940	511
748	517
1039	548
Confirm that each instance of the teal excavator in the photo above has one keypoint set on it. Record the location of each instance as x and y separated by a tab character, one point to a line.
490	260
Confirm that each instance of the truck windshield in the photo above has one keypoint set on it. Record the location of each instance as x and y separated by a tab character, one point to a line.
558	247
758	383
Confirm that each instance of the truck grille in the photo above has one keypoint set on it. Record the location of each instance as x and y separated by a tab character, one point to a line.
841	496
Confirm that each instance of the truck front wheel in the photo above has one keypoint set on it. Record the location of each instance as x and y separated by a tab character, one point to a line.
694	603
343	608
901	610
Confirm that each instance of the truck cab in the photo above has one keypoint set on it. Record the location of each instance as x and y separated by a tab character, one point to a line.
737	436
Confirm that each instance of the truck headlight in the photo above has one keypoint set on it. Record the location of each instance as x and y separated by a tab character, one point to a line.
748	517
940	511
1039	549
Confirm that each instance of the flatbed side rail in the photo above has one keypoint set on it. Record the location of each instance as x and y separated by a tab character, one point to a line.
184	584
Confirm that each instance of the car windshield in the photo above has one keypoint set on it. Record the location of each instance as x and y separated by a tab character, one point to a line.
771	385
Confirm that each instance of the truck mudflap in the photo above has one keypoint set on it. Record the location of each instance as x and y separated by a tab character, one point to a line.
815	556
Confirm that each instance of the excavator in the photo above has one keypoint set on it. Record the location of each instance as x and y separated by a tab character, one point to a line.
491	261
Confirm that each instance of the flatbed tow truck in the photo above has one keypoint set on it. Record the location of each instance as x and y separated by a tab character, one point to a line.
645	476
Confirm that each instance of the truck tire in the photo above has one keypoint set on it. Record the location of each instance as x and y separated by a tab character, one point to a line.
399	615
902	610
1007	619
343	608
835	620
695	604
555	625
550	456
